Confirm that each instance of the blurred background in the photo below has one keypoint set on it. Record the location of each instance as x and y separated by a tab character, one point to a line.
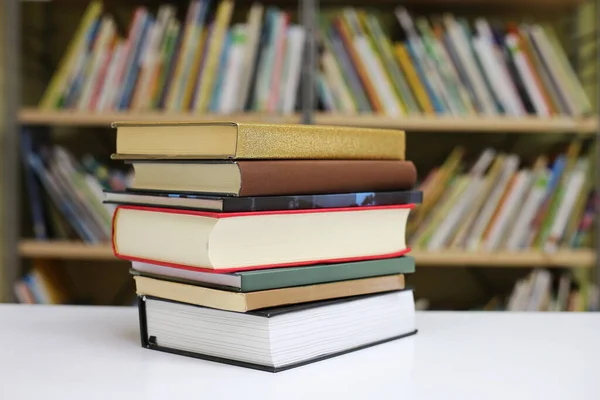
499	99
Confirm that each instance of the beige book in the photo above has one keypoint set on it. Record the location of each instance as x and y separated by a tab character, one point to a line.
476	202
229	140
242	302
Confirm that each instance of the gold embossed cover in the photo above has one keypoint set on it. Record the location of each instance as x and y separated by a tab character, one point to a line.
229	140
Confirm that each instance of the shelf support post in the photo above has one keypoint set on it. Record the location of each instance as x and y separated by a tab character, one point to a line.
597	152
308	11
10	265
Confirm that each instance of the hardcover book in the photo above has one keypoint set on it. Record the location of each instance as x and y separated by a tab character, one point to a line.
280	338
274	278
226	204
229	242
274	177
242	302
229	140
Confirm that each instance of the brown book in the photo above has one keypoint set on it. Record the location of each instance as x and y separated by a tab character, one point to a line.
280	177
242	302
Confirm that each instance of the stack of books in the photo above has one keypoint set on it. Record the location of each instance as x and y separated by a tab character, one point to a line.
267	246
445	65
504	202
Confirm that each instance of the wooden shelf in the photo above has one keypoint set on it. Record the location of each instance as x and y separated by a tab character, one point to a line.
32	116
501	125
584	258
66	250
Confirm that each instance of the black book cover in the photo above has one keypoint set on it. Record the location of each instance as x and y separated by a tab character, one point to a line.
150	342
291	202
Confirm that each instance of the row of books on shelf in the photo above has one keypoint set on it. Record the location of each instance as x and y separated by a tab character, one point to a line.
446	65
202	64
500	203
206	63
43	284
543	291
66	194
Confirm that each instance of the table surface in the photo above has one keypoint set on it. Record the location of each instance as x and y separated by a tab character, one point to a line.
77	352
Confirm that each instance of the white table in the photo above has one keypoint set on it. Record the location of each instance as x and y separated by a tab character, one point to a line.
80	353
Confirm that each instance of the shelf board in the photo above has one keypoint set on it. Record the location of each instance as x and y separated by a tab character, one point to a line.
584	258
64	250
32	116
499	125
71	250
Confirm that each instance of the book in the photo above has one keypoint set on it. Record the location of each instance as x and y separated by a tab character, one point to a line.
71	199
445	65
242	302
275	278
230	140
228	204
229	242
508	203
314	331
280	177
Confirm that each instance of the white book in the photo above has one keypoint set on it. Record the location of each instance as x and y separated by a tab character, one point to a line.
132	44
551	60
510	166
491	69
233	70
519	296
452	74
109	86
540	288
572	190
428	64
232	280
461	44
450	224
520	230
374	69
254	25
501	74
339	90
377	75
451	196
178	85
509	208
151	57
526	73
295	47
96	62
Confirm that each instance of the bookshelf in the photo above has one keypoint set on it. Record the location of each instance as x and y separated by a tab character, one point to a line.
17	248
66	250
501	125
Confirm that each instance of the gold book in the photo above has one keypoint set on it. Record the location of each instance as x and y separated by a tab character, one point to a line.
229	140
242	302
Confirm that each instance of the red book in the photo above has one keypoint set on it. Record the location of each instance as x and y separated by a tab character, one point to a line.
229	242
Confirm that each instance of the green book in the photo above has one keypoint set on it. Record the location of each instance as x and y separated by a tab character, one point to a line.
275	278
